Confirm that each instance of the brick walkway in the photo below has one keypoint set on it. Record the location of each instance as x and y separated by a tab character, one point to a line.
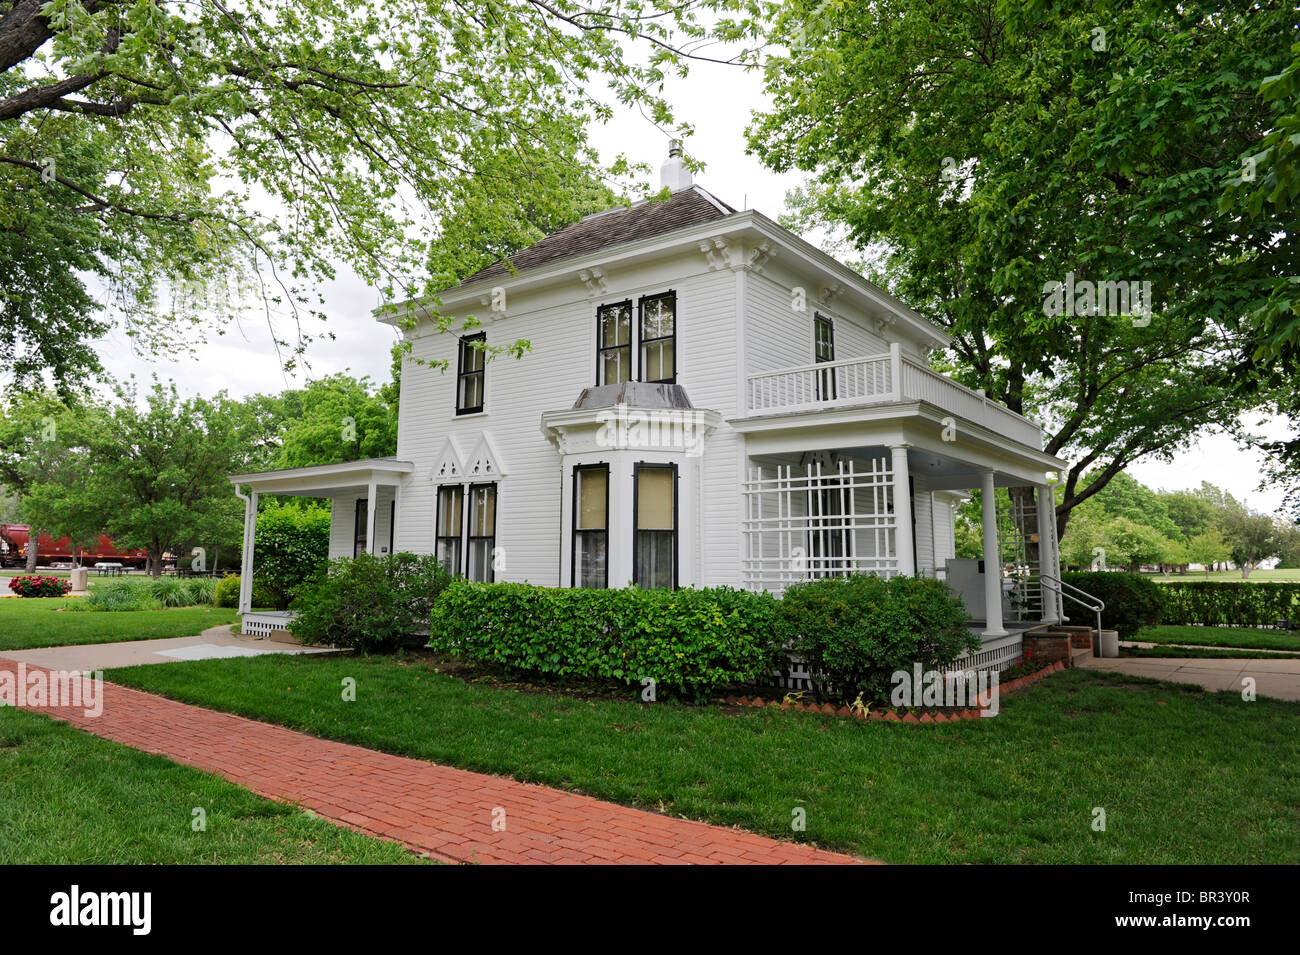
445	812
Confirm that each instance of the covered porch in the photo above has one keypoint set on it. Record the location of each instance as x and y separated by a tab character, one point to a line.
874	488
364	501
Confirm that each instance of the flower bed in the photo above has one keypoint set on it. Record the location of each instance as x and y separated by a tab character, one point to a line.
931	715
39	586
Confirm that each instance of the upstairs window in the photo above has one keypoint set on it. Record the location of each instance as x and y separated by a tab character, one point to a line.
591	525
659	338
451	509
469	378
654	557
614	343
482	535
824	351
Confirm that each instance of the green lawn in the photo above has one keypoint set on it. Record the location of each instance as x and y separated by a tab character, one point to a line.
1184	775
45	622
1244	637
1205	653
1256	576
67	797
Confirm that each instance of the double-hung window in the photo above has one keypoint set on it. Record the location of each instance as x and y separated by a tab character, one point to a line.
824	351
591	525
470	380
659	338
482	532
614	343
451	513
654	556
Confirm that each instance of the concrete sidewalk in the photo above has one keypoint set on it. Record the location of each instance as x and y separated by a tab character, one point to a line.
1279	679
212	644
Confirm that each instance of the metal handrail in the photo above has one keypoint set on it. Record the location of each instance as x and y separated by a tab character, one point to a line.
1097	605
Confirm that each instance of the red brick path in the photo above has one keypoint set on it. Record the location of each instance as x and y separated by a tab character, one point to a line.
445	812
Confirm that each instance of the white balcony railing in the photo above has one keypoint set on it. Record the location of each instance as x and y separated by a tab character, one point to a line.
881	379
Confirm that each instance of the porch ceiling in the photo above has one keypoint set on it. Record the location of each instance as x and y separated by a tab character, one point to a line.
326	480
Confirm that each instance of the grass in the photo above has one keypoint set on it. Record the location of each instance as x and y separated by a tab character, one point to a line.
1185	776
67	797
1256	576
1246	638
1205	653
47	622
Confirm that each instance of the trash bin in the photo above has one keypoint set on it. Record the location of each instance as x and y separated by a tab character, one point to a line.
1109	643
78	576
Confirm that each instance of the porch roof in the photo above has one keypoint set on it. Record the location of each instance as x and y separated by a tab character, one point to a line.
324	480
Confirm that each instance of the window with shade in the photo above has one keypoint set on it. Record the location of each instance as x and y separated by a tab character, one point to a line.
482	536
654	555
614	343
470	374
659	338
451	512
591	525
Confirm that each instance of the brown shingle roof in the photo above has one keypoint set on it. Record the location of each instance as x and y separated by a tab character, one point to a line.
622	224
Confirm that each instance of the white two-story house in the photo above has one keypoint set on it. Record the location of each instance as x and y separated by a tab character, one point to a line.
707	399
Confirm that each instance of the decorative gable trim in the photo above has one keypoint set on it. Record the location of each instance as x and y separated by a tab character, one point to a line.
448	466
485	463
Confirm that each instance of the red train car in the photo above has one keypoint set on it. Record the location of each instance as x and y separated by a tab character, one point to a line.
13	550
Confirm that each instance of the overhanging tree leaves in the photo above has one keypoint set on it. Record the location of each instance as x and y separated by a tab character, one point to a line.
177	156
992	148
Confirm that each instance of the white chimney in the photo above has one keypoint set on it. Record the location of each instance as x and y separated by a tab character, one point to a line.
673	174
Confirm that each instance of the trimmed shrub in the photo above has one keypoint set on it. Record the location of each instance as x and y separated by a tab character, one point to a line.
226	593
40	586
688	641
1212	602
854	632
292	548
1132	601
370	603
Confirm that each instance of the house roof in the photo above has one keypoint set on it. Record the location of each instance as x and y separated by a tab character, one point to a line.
641	220
324	477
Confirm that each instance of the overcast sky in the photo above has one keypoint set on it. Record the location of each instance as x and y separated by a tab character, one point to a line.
717	101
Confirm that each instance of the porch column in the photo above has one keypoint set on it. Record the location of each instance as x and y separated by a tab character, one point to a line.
906	551
992	560
1046	508
372	504
246	554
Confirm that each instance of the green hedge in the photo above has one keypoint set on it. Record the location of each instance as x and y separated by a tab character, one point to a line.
688	641
226	593
292	547
1132	601
854	632
1211	602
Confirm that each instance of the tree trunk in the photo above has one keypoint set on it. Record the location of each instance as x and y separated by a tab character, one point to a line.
33	545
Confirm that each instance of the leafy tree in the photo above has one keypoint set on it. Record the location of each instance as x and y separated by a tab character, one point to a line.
337	419
1189	513
152	477
1207	549
190	157
1251	537
988	150
38	462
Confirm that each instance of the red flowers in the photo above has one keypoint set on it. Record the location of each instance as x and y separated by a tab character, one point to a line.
39	586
